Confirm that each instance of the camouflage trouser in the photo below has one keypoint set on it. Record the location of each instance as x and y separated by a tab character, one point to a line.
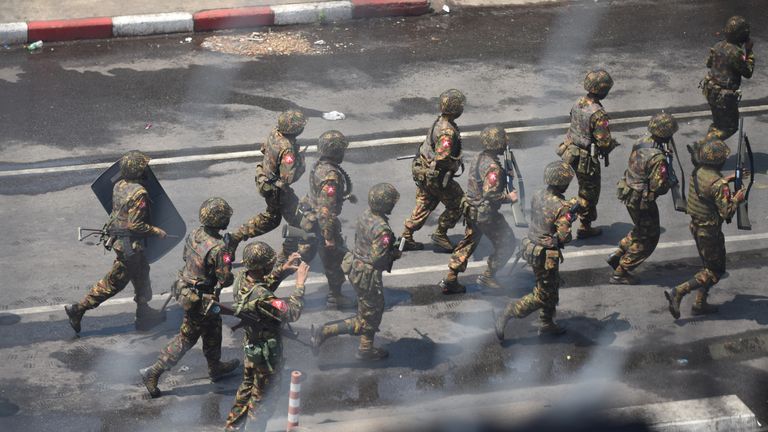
255	397
640	243
193	326
330	257
428	195
499	233
370	299
711	245
545	294
589	192
134	269
724	105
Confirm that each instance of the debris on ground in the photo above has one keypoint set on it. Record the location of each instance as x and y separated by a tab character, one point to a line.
35	45
334	115
263	44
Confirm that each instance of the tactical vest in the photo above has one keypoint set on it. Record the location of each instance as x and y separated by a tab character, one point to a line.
272	150
638	170
701	202
427	148
580	131
369	226
196	269
722	72
121	194
476	178
546	208
320	173
268	328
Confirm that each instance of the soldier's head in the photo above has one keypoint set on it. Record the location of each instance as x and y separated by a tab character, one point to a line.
662	126
714	152
452	103
494	139
291	122
558	175
382	198
736	30
215	213
332	144
133	165
259	257
598	83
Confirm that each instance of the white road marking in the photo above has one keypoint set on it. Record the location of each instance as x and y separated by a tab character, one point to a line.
403	272
354	144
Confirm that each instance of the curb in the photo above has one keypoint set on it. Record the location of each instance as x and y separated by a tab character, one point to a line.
206	20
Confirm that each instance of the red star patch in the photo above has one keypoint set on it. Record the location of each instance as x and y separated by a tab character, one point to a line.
604	123
142	203
727	192
663	170
569	216
227	258
445	142
289	159
280	305
386	240
329	190
492	178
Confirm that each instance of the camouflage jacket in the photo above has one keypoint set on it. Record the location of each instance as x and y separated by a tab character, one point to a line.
487	181
130	212
727	63
551	218
327	188
374	240
709	197
646	173
589	124
257	296
206	261
283	163
441	150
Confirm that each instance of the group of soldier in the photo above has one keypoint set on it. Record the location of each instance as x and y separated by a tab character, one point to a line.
209	252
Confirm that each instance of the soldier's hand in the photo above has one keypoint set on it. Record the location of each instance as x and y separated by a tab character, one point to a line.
513	197
740	196
748	45
292	264
301	273
161	233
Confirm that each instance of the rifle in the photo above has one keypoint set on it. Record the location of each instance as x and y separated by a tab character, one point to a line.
104	235
745	149
406	157
518	208
678	183
400	247
247	318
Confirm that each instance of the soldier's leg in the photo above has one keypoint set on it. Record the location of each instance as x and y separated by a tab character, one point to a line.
643	240
331	259
138	271
289	205
451	198
239	411
725	114
589	192
112	283
425	204
614	259
503	240
460	257
351	325
545	290
187	337
260	224
211	334
711	245
370	314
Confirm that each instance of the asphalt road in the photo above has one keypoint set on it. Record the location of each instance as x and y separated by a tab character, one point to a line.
89	101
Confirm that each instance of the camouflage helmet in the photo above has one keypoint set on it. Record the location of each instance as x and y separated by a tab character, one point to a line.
332	145
494	137
663	125
382	198
558	173
215	213
452	102
713	152
133	164
598	82
259	256
736	30
291	122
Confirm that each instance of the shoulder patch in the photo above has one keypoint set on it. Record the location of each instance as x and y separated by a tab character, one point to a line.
279	304
329	190
446	141
289	158
226	257
492	178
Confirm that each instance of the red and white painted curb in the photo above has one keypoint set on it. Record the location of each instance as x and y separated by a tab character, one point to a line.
207	20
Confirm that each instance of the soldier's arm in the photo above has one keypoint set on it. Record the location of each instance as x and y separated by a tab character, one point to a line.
382	249
328	200
290	307
563	225
288	162
221	259
745	63
138	213
658	181
711	57
725	201
493	184
601	132
446	142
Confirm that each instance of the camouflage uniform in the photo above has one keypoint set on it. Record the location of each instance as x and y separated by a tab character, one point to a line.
130	214
549	231
728	61
263	344
709	204
373	253
438	156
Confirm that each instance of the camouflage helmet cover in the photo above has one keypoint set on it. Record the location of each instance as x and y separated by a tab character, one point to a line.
558	173
133	164
215	213
714	152
452	102
736	29
291	122
494	137
598	82
332	145
259	256
382	198
663	125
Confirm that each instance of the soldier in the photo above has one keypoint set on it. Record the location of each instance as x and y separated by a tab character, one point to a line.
709	203
207	269
374	252
283	165
645	179
329	187
728	61
264	315
433	168
486	188
587	138
550	230
130	217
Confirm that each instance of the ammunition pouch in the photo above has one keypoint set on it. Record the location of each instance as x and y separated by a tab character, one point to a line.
263	354
477	213
176	288
421	171
307	216
189	298
346	262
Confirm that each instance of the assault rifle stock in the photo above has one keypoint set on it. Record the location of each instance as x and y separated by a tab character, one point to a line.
677	188
744	151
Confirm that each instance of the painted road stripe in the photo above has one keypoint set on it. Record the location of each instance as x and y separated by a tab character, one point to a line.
403	272
353	145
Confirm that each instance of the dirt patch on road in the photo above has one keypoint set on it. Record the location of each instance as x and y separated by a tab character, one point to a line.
260	44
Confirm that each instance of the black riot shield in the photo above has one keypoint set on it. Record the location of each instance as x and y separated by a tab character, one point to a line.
162	214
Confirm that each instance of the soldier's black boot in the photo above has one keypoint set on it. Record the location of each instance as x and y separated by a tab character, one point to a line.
150	377
700	305
675	297
587	230
221	369
148	318
320	334
338	301
547	324
368	352
450	285
623	277
614	259
488	279
75	313
410	243
441	241
500	322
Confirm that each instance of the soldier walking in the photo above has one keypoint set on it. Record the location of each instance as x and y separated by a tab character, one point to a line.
646	179
550	230
486	192
264	316
433	168
128	225
374	253
587	138
207	269
710	202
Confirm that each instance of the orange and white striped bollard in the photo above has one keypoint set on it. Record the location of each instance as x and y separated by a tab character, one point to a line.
294	401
